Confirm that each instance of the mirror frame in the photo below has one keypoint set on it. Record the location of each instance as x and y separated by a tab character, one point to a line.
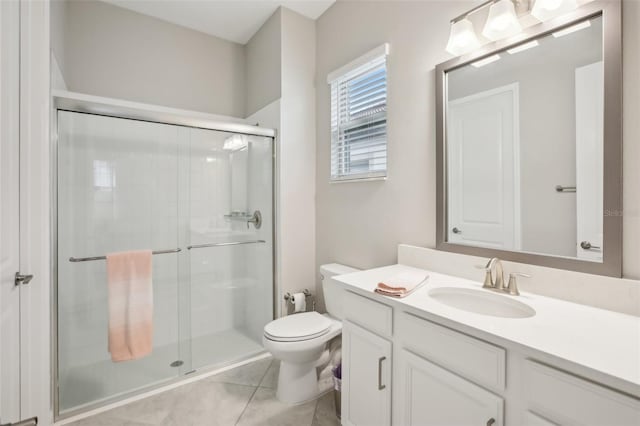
610	10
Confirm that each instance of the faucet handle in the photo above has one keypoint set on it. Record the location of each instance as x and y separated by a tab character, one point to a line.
488	277
512	287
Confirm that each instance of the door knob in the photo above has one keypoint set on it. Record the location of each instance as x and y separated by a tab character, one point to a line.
586	245
22	279
491	421
456	231
29	422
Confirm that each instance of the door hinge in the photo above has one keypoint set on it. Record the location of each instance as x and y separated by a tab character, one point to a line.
28	422
22	279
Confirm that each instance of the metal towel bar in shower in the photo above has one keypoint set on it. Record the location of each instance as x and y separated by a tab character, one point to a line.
88	259
231	243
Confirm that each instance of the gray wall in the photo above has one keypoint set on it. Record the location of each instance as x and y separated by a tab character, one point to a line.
58	16
631	135
361	223
113	52
297	151
263	55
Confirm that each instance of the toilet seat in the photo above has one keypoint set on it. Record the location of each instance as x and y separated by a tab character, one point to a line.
297	327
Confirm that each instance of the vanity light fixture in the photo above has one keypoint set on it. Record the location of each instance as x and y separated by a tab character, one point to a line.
523	47
462	38
572	29
485	61
544	10
502	21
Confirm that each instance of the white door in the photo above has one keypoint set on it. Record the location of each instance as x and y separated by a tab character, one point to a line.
589	160
9	213
432	396
484	169
366	377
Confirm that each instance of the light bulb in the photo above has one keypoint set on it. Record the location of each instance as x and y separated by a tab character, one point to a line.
546	9
462	38
502	21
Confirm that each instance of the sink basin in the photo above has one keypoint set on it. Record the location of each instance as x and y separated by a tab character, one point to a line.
482	302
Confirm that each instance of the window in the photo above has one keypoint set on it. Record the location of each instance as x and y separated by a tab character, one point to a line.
359	118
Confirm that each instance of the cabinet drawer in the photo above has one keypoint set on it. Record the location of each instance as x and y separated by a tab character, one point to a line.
474	359
372	315
566	399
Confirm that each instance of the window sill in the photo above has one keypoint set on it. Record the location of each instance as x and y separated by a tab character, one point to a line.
368	179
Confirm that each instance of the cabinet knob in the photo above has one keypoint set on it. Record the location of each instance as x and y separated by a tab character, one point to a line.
456	231
491	421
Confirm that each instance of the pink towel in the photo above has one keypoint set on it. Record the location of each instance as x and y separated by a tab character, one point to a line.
130	304
402	285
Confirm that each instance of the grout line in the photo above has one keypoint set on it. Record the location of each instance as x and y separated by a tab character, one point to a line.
315	410
246	406
265	373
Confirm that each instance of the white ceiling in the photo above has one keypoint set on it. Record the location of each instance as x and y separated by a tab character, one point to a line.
234	20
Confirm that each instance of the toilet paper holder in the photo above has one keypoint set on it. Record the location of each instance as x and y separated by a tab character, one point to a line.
289	297
290	302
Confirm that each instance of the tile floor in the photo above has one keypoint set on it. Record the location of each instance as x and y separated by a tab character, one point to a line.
243	396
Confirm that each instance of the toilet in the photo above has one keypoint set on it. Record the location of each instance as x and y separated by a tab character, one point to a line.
298	341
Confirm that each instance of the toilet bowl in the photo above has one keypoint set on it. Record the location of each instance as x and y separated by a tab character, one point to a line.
298	341
299	350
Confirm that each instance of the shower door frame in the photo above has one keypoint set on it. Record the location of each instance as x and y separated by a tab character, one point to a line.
115	108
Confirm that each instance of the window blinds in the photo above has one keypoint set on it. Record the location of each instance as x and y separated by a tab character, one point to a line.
359	120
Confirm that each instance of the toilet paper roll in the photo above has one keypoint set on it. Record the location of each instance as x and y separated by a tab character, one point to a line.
299	302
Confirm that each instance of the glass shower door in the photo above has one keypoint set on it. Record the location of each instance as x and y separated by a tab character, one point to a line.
230	244
202	200
117	191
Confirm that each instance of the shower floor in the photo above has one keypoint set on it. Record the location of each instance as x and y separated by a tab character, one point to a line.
107	381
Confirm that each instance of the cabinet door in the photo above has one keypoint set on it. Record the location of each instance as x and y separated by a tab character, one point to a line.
366	377
429	395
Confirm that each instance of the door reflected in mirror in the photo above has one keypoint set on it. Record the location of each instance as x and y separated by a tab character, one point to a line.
524	146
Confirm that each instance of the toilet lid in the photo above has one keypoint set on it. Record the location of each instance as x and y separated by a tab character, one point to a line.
304	326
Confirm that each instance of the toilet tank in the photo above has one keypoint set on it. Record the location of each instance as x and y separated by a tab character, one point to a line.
333	291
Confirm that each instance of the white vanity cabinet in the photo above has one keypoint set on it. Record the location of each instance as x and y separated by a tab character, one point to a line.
403	369
366	377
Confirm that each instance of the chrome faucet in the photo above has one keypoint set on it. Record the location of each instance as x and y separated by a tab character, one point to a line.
497	283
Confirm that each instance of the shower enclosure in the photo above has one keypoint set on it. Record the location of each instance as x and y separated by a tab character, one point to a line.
202	200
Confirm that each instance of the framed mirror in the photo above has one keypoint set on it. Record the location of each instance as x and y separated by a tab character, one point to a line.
529	146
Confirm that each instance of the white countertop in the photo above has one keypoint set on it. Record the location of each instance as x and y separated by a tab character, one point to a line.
605	342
